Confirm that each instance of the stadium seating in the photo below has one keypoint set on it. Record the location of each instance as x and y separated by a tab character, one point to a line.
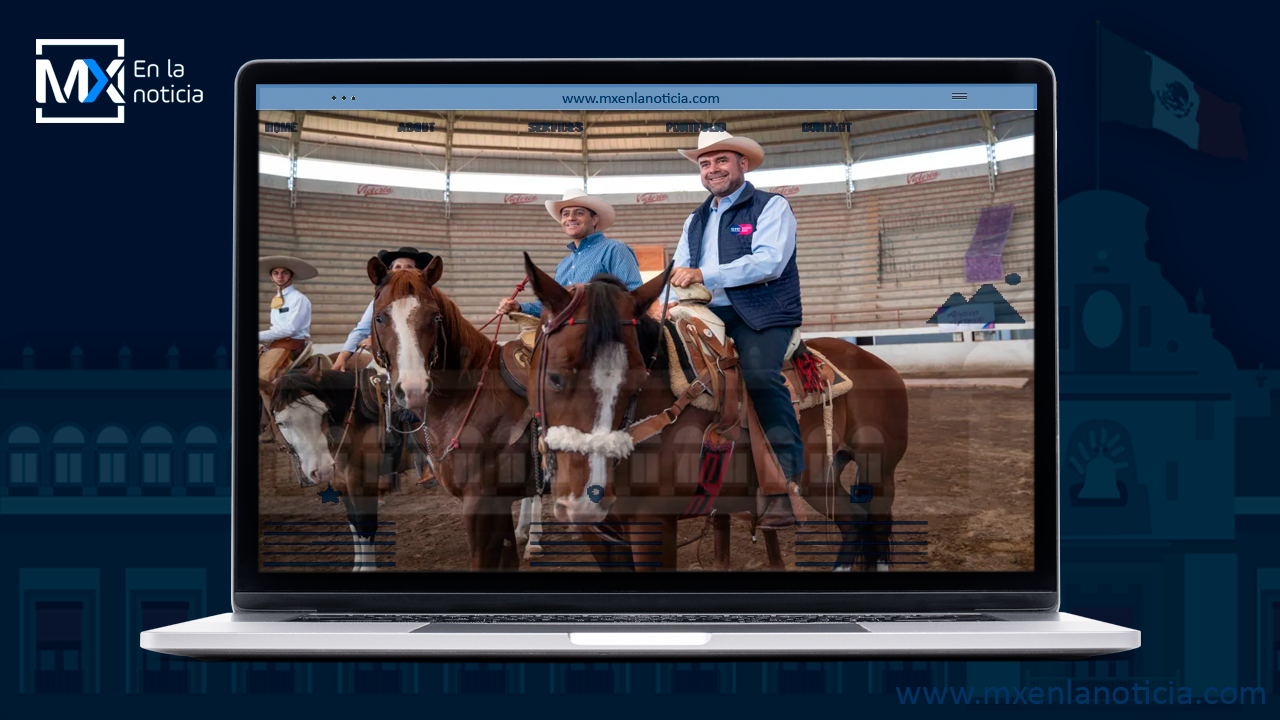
886	262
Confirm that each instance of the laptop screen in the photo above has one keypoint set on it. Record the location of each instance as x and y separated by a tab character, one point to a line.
472	354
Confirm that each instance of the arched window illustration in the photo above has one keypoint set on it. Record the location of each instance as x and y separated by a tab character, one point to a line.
24	456
157	458
113	457
202	452
68	458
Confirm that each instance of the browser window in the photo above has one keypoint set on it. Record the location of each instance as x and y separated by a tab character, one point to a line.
837	373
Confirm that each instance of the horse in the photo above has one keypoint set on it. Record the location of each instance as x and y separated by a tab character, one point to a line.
333	444
438	362
595	364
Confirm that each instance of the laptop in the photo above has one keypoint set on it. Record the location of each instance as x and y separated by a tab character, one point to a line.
422	502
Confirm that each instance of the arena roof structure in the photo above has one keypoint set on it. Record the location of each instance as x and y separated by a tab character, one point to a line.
615	143
887	208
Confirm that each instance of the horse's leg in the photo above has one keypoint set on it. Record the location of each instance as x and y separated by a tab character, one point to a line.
667	558
530	512
873	532
490	532
533	543
846	514
881	511
522	523
362	517
611	556
774	550
510	557
720	526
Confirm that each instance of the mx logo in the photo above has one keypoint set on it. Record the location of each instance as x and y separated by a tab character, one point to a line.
85	82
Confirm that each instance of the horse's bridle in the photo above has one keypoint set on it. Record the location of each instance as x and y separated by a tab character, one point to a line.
553	324
383	359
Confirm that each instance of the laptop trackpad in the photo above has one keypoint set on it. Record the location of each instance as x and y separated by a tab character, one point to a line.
616	639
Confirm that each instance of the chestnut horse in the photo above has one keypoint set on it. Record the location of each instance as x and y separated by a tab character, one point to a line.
436	359
596	363
311	410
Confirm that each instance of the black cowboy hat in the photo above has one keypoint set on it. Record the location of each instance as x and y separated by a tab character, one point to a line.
420	259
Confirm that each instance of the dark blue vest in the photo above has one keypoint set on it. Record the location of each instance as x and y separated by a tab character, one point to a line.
774	303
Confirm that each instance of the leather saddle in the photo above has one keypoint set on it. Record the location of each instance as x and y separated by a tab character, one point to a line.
369	379
702	338
517	353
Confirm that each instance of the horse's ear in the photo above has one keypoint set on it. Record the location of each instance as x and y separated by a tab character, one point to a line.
646	294
377	270
432	272
553	296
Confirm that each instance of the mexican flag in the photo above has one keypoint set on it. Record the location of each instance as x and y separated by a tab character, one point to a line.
1140	89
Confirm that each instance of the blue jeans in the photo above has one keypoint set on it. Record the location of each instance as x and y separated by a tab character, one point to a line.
760	358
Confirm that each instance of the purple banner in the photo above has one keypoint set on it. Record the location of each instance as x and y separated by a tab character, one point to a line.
983	260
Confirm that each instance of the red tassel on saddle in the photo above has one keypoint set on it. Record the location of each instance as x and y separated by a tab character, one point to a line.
808	367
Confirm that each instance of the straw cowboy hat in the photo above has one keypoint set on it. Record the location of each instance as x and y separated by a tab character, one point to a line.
713	141
576	198
302	270
420	259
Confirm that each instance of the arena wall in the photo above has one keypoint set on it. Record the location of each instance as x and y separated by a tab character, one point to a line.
843	250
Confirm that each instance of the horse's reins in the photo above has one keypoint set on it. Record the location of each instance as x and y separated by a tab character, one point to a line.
628	415
493	345
351	411
484	371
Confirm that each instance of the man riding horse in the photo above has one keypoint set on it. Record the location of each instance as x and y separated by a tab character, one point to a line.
741	244
584	219
290	329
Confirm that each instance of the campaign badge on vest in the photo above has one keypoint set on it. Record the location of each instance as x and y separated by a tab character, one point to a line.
744	229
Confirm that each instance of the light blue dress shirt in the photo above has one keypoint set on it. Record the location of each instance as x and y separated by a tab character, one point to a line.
773	242
362	330
594	254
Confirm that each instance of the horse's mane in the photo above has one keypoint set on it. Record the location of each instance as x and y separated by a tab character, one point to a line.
465	347
334	389
603	324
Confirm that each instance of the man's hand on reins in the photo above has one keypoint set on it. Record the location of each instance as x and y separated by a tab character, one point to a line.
508	306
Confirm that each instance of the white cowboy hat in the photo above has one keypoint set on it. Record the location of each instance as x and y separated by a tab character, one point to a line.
301	269
713	141
576	198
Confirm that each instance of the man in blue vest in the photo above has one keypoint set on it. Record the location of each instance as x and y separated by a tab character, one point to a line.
741	244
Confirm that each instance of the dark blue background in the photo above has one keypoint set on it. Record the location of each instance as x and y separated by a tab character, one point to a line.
140	215
121	235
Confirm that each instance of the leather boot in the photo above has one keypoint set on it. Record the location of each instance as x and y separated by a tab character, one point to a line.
777	513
